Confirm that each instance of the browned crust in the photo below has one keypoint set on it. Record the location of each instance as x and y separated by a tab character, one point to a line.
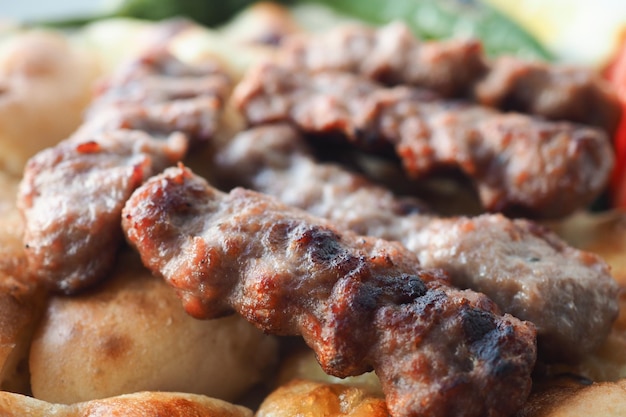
141	404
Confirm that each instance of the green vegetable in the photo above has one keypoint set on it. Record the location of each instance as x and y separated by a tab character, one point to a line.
429	19
206	12
436	19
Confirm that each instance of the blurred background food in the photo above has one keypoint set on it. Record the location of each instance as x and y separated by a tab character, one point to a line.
581	31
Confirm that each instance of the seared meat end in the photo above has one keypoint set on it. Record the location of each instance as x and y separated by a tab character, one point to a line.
361	303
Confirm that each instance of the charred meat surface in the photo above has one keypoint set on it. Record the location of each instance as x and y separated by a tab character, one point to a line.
361	303
518	163
393	56
71	198
527	270
159	94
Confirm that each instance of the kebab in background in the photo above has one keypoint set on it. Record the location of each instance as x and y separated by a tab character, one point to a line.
97	43
590	33
582	31
367	86
527	270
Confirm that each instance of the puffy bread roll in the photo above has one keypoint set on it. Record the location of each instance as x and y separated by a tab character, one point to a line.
21	302
566	397
142	404
12	255
305	398
45	84
114	40
132	334
21	305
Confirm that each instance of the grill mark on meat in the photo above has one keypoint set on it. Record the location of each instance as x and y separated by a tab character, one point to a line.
518	163
392	55
143	120
525	268
359	302
158	93
556	92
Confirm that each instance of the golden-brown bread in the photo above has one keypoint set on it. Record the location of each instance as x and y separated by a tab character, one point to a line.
45	84
321	395
568	397
132	335
306	398
141	404
21	302
12	255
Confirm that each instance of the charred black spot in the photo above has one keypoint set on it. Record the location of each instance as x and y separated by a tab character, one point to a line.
477	323
416	286
505	368
322	244
367	297
413	287
403	289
